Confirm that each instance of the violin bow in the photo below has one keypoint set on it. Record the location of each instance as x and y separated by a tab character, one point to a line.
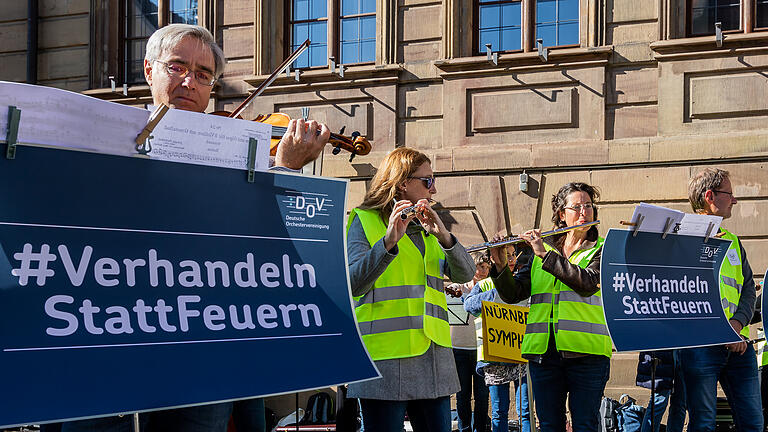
287	62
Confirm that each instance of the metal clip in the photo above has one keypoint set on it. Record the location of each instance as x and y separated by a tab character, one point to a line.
543	52
251	164
638	222
298	75
667	227
12	136
491	56
305	113
708	235
719	34
143	144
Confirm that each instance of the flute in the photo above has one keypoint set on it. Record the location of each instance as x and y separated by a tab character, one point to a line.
516	240
404	213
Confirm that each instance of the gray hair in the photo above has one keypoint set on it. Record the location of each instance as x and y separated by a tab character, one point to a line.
165	38
709	179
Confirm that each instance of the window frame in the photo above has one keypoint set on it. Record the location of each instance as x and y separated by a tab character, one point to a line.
747	20
333	38
527	28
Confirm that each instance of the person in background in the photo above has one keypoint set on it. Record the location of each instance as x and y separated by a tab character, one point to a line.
465	355
498	376
670	390
396	268
566	339
733	365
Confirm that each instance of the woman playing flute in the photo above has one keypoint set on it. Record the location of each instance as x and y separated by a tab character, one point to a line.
396	269
566	339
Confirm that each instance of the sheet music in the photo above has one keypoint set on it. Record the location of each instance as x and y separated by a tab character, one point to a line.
60	118
655	217
698	224
204	139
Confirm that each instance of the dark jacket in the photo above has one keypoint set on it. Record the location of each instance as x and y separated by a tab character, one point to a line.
665	369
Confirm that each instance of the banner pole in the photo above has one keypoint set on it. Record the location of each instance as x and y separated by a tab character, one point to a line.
136	422
531	415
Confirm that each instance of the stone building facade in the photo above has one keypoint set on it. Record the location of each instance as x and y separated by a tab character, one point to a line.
635	107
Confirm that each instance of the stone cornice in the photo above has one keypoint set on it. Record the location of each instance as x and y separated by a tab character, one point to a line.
323	78
705	46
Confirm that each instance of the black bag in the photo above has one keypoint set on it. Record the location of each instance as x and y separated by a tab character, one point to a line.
319	410
347	412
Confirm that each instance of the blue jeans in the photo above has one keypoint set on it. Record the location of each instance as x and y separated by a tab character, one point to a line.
470	382
521	404
426	415
555	378
499	407
737	373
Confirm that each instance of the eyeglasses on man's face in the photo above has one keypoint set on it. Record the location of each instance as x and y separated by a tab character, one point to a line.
578	208
730	194
178	70
428	181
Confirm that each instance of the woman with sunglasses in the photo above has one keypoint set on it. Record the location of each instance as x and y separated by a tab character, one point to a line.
566	339
396	268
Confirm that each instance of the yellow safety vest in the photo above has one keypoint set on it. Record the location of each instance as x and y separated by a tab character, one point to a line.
406	309
577	322
732	280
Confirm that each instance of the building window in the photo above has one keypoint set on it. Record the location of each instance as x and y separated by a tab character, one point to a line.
309	20
349	38
761	12
705	13
357	22
499	24
503	24
141	20
184	11
557	22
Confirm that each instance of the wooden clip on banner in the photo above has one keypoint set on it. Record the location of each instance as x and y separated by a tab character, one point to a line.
143	145
11	138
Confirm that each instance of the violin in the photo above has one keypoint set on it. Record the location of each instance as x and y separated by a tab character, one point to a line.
356	144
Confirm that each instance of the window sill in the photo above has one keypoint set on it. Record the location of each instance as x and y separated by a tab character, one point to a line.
706	45
134	91
353	74
557	57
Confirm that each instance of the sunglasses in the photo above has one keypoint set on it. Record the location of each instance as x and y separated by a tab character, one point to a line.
428	181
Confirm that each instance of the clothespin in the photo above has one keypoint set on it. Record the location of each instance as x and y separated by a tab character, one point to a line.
251	164
709	231
638	223
667	227
12	137
143	145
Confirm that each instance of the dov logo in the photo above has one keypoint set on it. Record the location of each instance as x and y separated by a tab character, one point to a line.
309	204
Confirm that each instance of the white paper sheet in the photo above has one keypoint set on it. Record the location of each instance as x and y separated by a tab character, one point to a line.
698	225
655	217
61	118
204	139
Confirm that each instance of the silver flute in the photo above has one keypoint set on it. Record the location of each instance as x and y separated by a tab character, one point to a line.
516	240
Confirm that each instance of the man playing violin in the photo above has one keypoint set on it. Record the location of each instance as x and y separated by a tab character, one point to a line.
182	64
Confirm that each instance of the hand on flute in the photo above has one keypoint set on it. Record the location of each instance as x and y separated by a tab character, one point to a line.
533	238
397	226
432	223
499	254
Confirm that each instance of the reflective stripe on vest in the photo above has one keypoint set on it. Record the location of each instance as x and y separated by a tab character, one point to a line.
406	309
577	322
732	280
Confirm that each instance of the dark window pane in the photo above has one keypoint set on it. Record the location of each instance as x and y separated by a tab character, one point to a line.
546	11
135	61
762	13
350	7
705	13
368	51
490	17
548	34
568	33
300	10
349	29
319	9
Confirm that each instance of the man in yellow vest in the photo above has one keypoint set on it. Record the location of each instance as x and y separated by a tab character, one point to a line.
734	365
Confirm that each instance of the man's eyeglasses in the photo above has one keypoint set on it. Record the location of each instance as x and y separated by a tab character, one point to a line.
724	192
178	70
428	181
586	207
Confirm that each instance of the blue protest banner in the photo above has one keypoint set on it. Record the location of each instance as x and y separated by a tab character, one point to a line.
129	284
663	293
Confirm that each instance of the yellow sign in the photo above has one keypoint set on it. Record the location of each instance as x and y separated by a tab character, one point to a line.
503	330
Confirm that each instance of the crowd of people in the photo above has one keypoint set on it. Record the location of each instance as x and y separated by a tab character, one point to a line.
397	267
